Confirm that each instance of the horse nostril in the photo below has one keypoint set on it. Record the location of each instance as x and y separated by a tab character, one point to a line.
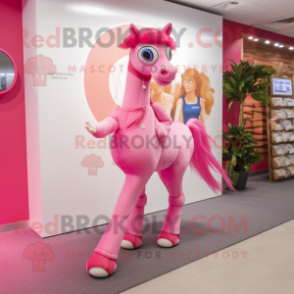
164	72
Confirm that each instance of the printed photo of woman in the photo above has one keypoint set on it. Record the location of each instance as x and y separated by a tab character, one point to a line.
162	95
193	97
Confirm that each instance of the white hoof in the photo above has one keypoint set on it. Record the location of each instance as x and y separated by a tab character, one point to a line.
98	272
126	244
165	243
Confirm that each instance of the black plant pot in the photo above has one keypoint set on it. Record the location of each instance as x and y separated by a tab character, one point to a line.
242	180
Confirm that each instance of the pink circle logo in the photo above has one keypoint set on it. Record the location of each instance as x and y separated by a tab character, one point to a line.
100	64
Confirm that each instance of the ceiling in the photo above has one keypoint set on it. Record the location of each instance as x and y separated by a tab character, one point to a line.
258	13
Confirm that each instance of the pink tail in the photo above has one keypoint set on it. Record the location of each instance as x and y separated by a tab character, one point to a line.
202	158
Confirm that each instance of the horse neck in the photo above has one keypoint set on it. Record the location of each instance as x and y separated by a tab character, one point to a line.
134	93
157	97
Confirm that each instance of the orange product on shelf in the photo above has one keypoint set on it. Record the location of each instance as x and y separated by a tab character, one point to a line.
260	115
246	116
260	136
259	109
255	130
259	123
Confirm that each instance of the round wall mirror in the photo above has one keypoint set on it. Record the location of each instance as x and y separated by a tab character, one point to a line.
8	72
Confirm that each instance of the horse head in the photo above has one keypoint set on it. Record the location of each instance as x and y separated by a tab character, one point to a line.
150	53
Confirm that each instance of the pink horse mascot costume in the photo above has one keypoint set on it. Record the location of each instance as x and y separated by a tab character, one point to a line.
139	120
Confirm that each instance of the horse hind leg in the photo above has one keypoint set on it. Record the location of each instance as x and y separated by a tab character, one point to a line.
172	178
133	235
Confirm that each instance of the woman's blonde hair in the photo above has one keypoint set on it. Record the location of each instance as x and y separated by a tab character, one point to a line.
202	90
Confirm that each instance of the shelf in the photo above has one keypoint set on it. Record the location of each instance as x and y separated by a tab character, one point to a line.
269	138
282	167
282	143
284	178
274	131
278	107
274	156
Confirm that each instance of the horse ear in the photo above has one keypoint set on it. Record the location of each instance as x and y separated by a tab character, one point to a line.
133	30
168	29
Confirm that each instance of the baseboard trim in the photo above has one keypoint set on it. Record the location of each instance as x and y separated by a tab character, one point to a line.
14	226
253	174
260	172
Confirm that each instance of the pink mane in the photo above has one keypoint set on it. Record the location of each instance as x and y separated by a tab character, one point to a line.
148	36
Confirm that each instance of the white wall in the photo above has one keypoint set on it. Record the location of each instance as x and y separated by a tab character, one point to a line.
60	108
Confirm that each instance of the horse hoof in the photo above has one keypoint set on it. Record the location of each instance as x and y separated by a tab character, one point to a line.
167	240
131	241
100	266
98	272
127	244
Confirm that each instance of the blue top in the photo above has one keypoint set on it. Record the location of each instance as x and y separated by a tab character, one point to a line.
191	110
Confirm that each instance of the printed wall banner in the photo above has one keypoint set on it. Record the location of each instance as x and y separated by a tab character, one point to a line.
75	72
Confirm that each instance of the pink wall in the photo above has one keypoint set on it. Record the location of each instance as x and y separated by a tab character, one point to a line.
13	165
232	50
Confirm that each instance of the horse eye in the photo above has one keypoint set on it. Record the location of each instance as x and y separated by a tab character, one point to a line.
168	53
148	54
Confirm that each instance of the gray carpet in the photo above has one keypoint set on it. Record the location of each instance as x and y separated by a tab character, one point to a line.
265	205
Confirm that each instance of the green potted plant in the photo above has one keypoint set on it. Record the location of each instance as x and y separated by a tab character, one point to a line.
239	154
241	82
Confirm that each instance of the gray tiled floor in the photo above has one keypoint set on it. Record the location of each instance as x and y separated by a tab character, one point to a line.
263	264
263	205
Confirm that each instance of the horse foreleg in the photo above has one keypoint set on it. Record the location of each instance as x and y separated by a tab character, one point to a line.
103	262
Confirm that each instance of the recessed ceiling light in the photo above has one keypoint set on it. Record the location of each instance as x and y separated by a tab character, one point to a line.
281	46
291	48
267	42
234	2
250	37
276	44
256	39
